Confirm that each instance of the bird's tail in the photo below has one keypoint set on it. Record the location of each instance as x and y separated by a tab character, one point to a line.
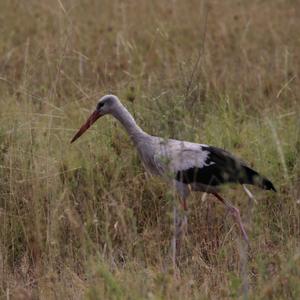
252	177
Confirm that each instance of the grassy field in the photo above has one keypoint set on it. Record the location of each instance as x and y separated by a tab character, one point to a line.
85	221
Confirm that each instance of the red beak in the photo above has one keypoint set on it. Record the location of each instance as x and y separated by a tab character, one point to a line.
90	121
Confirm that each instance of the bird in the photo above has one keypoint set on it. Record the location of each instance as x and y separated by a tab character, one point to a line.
186	166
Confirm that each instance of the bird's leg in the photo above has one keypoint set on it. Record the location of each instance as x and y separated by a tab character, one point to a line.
175	233
183	223
250	195
180	224
184	204
236	214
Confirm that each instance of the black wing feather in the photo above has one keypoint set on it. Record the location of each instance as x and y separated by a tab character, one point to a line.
222	167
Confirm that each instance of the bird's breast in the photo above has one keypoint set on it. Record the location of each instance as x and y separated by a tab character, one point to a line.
147	158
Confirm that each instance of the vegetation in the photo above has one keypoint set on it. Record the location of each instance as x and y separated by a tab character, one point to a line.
85	220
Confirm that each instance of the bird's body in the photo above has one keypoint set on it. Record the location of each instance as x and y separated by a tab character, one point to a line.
196	167
187	166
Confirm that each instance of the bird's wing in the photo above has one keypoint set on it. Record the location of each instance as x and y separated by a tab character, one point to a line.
173	156
221	167
216	166
192	163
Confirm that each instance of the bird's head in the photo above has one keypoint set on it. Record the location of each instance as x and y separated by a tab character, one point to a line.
106	105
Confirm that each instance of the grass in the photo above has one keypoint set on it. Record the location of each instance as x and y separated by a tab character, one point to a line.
85	221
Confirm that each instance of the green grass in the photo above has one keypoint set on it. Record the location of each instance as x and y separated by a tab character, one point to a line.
84	220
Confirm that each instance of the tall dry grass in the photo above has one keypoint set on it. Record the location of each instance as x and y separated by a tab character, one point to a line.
85	221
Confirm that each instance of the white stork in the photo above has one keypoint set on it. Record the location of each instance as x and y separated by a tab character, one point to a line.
187	166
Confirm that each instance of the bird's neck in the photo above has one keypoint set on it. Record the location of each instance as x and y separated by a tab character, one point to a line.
126	119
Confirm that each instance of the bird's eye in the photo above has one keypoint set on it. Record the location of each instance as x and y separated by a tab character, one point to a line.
100	105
